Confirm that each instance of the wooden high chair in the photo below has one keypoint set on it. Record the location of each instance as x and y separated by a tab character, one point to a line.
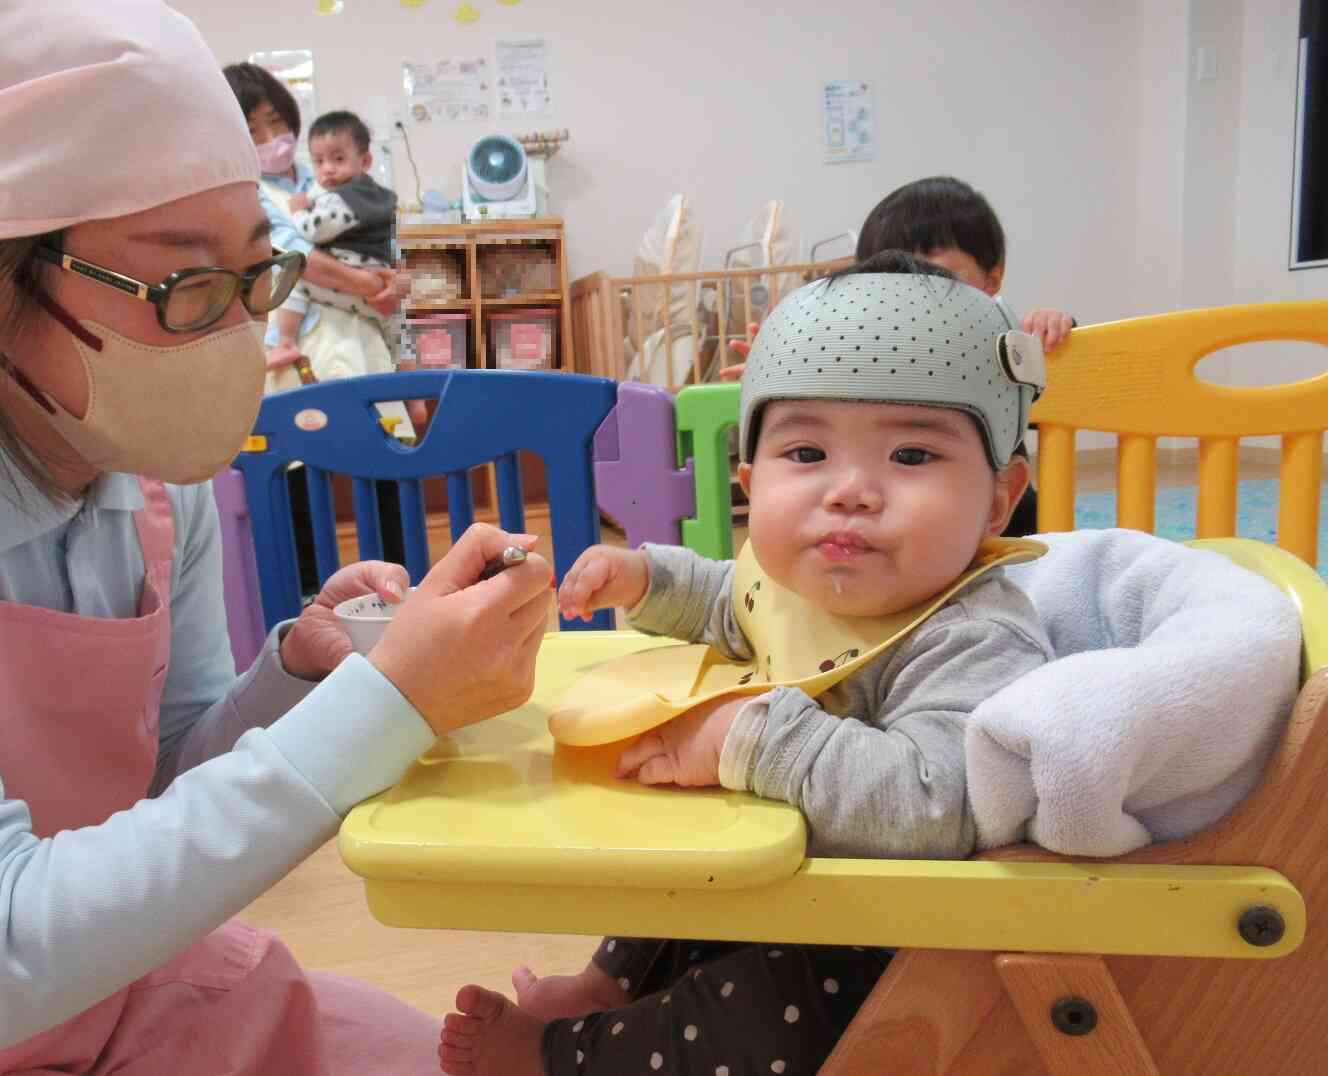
1201	956
989	1011
994	1011
1211	968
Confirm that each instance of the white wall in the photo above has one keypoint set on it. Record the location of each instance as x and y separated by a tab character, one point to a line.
1126	185
1266	125
1044	105
1209	219
1160	121
1231	146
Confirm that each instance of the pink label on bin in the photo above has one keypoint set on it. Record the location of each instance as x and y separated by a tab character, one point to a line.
527	342
435	349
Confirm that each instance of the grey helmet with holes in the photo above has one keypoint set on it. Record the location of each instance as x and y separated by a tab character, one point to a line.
896	338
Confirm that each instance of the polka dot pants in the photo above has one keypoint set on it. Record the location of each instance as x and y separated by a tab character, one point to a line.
716	1009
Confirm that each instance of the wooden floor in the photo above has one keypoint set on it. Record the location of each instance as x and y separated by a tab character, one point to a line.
319	909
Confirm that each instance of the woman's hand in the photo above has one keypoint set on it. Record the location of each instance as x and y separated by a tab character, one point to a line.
686	750
603	577
316	643
381	290
461	650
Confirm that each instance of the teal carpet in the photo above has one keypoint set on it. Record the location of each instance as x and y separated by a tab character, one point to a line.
1256	513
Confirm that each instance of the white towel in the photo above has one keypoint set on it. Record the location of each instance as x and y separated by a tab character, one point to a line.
1175	672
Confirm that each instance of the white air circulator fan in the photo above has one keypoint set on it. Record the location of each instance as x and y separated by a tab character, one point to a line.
500	181
504	177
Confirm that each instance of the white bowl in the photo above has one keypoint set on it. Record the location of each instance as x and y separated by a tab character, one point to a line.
365	619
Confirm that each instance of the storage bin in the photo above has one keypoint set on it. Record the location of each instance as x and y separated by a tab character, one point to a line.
436	276
523	339
437	340
508	270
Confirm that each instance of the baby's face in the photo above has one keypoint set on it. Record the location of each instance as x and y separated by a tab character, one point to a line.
337	159
866	509
965	268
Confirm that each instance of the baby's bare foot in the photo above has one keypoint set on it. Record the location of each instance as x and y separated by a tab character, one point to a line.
490	1036
564	996
284	354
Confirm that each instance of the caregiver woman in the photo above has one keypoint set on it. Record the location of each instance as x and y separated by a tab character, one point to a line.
146	794
338	343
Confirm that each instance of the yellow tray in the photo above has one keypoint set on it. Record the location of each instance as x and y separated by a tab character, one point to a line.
500	803
498	829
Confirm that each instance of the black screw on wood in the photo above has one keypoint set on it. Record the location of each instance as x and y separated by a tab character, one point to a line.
1074	1016
1261	925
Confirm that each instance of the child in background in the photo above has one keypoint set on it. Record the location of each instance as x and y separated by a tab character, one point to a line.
947	222
950	224
348	215
878	457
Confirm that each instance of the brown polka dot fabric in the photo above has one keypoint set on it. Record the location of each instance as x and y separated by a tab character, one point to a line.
717	1007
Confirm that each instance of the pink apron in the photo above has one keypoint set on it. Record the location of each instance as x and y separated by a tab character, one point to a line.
234	1002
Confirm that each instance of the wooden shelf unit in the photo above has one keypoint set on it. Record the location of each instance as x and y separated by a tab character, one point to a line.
478	244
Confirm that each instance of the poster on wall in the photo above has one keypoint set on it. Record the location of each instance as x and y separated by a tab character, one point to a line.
447	90
295	69
848	122
522	74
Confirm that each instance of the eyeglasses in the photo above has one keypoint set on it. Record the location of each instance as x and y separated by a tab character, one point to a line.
192	299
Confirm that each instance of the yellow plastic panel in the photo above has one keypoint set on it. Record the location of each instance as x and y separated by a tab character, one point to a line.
928	904
1136	482
1137	376
1219	469
1298	497
1055	478
498	804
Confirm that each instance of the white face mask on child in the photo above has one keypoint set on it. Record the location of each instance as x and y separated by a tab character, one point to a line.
179	414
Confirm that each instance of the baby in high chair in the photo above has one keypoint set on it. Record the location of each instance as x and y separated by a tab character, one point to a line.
880	411
347	214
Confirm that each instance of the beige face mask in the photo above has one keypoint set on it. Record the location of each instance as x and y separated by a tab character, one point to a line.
179	414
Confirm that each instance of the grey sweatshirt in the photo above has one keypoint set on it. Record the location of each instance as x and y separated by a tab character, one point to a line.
876	764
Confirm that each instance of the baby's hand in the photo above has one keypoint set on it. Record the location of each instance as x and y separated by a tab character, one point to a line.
686	750
1052	325
603	577
299	203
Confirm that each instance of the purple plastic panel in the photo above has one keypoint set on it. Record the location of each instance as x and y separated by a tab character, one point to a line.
239	569
637	480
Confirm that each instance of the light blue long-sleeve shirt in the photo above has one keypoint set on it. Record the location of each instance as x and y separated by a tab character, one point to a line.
285	236
242	793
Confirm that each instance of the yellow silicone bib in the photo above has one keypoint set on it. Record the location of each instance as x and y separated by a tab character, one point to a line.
796	645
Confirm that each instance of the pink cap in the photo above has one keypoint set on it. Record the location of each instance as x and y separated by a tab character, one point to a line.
107	109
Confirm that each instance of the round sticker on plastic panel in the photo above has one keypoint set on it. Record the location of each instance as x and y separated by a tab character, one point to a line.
311	419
